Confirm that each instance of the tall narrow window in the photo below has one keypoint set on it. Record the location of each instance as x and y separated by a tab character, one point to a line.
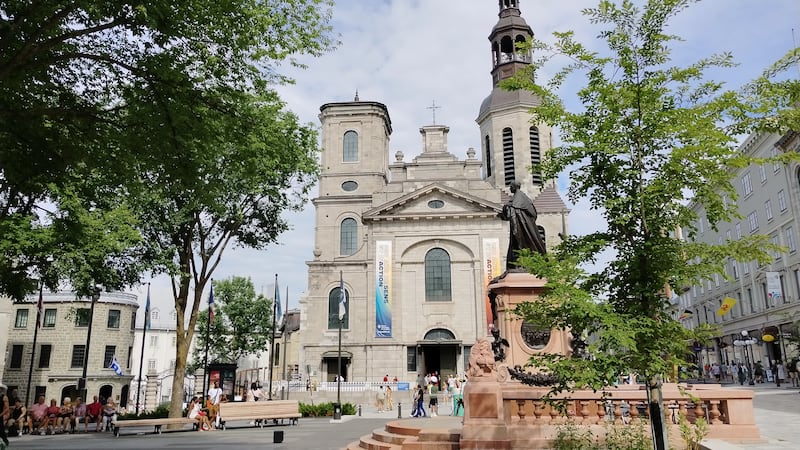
49	318
16	356
437	276
508	156
21	320
276	356
536	156
747	185
347	237
333	309
487	151
782	200
78	354
789	233
768	209
44	355
113	318
350	146
108	355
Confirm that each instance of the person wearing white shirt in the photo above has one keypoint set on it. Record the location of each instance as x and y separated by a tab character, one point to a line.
214	396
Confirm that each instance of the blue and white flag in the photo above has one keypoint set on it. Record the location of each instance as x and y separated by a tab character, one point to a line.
279	313
115	366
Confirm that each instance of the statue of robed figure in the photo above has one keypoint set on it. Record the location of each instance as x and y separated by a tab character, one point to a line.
521	216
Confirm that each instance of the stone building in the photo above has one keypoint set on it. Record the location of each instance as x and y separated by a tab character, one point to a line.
414	243
767	297
61	345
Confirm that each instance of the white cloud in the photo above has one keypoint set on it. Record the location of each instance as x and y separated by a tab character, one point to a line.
409	53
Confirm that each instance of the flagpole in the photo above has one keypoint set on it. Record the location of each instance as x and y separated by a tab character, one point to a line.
272	338
283	333
208	340
339	359
141	356
35	338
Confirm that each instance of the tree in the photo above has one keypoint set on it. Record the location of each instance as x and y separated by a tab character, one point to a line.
167	108
648	137
68	142
242	323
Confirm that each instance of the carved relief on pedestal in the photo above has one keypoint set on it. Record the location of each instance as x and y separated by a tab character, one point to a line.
534	337
481	361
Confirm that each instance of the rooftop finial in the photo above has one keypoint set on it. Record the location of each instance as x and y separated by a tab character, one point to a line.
433	108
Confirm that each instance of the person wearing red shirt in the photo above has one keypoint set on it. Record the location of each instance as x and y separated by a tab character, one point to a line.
52	416
93	414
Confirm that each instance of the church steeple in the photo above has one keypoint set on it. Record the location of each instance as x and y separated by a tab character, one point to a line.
510	29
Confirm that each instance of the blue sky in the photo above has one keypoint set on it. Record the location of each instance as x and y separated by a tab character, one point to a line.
410	53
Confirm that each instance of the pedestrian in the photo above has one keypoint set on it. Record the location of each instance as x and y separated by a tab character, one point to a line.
389	400
5	412
740	370
214	397
433	402
780	372
380	400
419	401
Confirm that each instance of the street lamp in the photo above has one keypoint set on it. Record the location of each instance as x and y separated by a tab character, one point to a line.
745	342
95	296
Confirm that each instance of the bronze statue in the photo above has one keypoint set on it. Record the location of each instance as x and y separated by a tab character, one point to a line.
521	216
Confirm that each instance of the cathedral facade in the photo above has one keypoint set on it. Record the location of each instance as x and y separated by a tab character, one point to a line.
413	244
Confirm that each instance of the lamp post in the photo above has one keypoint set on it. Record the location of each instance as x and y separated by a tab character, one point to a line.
745	342
82	385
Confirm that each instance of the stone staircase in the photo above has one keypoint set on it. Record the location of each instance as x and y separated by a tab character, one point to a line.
412	434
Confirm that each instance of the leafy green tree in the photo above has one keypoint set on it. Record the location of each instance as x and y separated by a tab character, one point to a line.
163	110
70	77
242	323
647	137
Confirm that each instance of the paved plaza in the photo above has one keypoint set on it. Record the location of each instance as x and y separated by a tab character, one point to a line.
777	413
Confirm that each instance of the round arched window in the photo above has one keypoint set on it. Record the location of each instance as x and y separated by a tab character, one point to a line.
349	186
435	204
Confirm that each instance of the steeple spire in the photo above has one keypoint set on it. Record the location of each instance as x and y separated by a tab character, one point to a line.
510	30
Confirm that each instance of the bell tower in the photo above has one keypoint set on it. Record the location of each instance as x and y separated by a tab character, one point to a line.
510	143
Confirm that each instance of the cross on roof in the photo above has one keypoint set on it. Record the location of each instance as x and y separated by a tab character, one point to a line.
433	108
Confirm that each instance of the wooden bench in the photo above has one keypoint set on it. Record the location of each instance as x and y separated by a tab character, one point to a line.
157	423
260	411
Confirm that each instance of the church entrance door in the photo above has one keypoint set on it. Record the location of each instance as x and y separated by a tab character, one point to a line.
440	358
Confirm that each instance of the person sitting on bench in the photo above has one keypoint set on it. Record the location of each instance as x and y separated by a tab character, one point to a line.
194	411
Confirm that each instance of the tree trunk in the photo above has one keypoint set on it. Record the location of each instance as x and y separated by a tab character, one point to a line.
657	422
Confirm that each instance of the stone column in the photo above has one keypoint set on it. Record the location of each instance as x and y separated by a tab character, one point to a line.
150	392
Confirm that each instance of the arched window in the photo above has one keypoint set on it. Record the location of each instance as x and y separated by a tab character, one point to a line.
439	334
437	276
541	234
508	156
350	148
488	152
536	155
333	309
276	356
347	237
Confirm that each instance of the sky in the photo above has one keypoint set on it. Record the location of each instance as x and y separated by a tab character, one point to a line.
408	54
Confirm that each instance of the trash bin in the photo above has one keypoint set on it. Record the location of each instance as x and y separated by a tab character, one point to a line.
337	411
277	436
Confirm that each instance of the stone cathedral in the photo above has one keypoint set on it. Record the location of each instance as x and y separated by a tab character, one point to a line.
414	243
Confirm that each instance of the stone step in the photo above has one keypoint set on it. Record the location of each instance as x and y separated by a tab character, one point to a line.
368	443
390	438
417	444
439	435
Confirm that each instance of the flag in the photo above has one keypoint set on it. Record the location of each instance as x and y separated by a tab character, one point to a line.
279	313
39	310
726	306
685	315
115	366
211	305
147	309
342	298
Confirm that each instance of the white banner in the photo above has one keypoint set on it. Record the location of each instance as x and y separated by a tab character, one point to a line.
774	291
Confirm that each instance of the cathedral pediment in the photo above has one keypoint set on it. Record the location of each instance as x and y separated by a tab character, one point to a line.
434	201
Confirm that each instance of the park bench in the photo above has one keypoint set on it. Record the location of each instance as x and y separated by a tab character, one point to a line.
260	411
156	423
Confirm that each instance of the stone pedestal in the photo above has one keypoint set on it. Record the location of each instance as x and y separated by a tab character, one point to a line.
151	391
484	421
524	341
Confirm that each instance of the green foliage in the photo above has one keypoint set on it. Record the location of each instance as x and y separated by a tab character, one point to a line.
96	97
647	137
572	437
242	323
325	410
693	433
160	412
635	436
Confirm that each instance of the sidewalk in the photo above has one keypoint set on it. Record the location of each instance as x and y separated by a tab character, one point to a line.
777	414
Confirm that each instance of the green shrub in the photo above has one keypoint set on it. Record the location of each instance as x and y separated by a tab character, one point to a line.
325	410
160	412
573	437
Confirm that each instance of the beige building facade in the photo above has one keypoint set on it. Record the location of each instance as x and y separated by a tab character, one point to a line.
413	243
61	344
